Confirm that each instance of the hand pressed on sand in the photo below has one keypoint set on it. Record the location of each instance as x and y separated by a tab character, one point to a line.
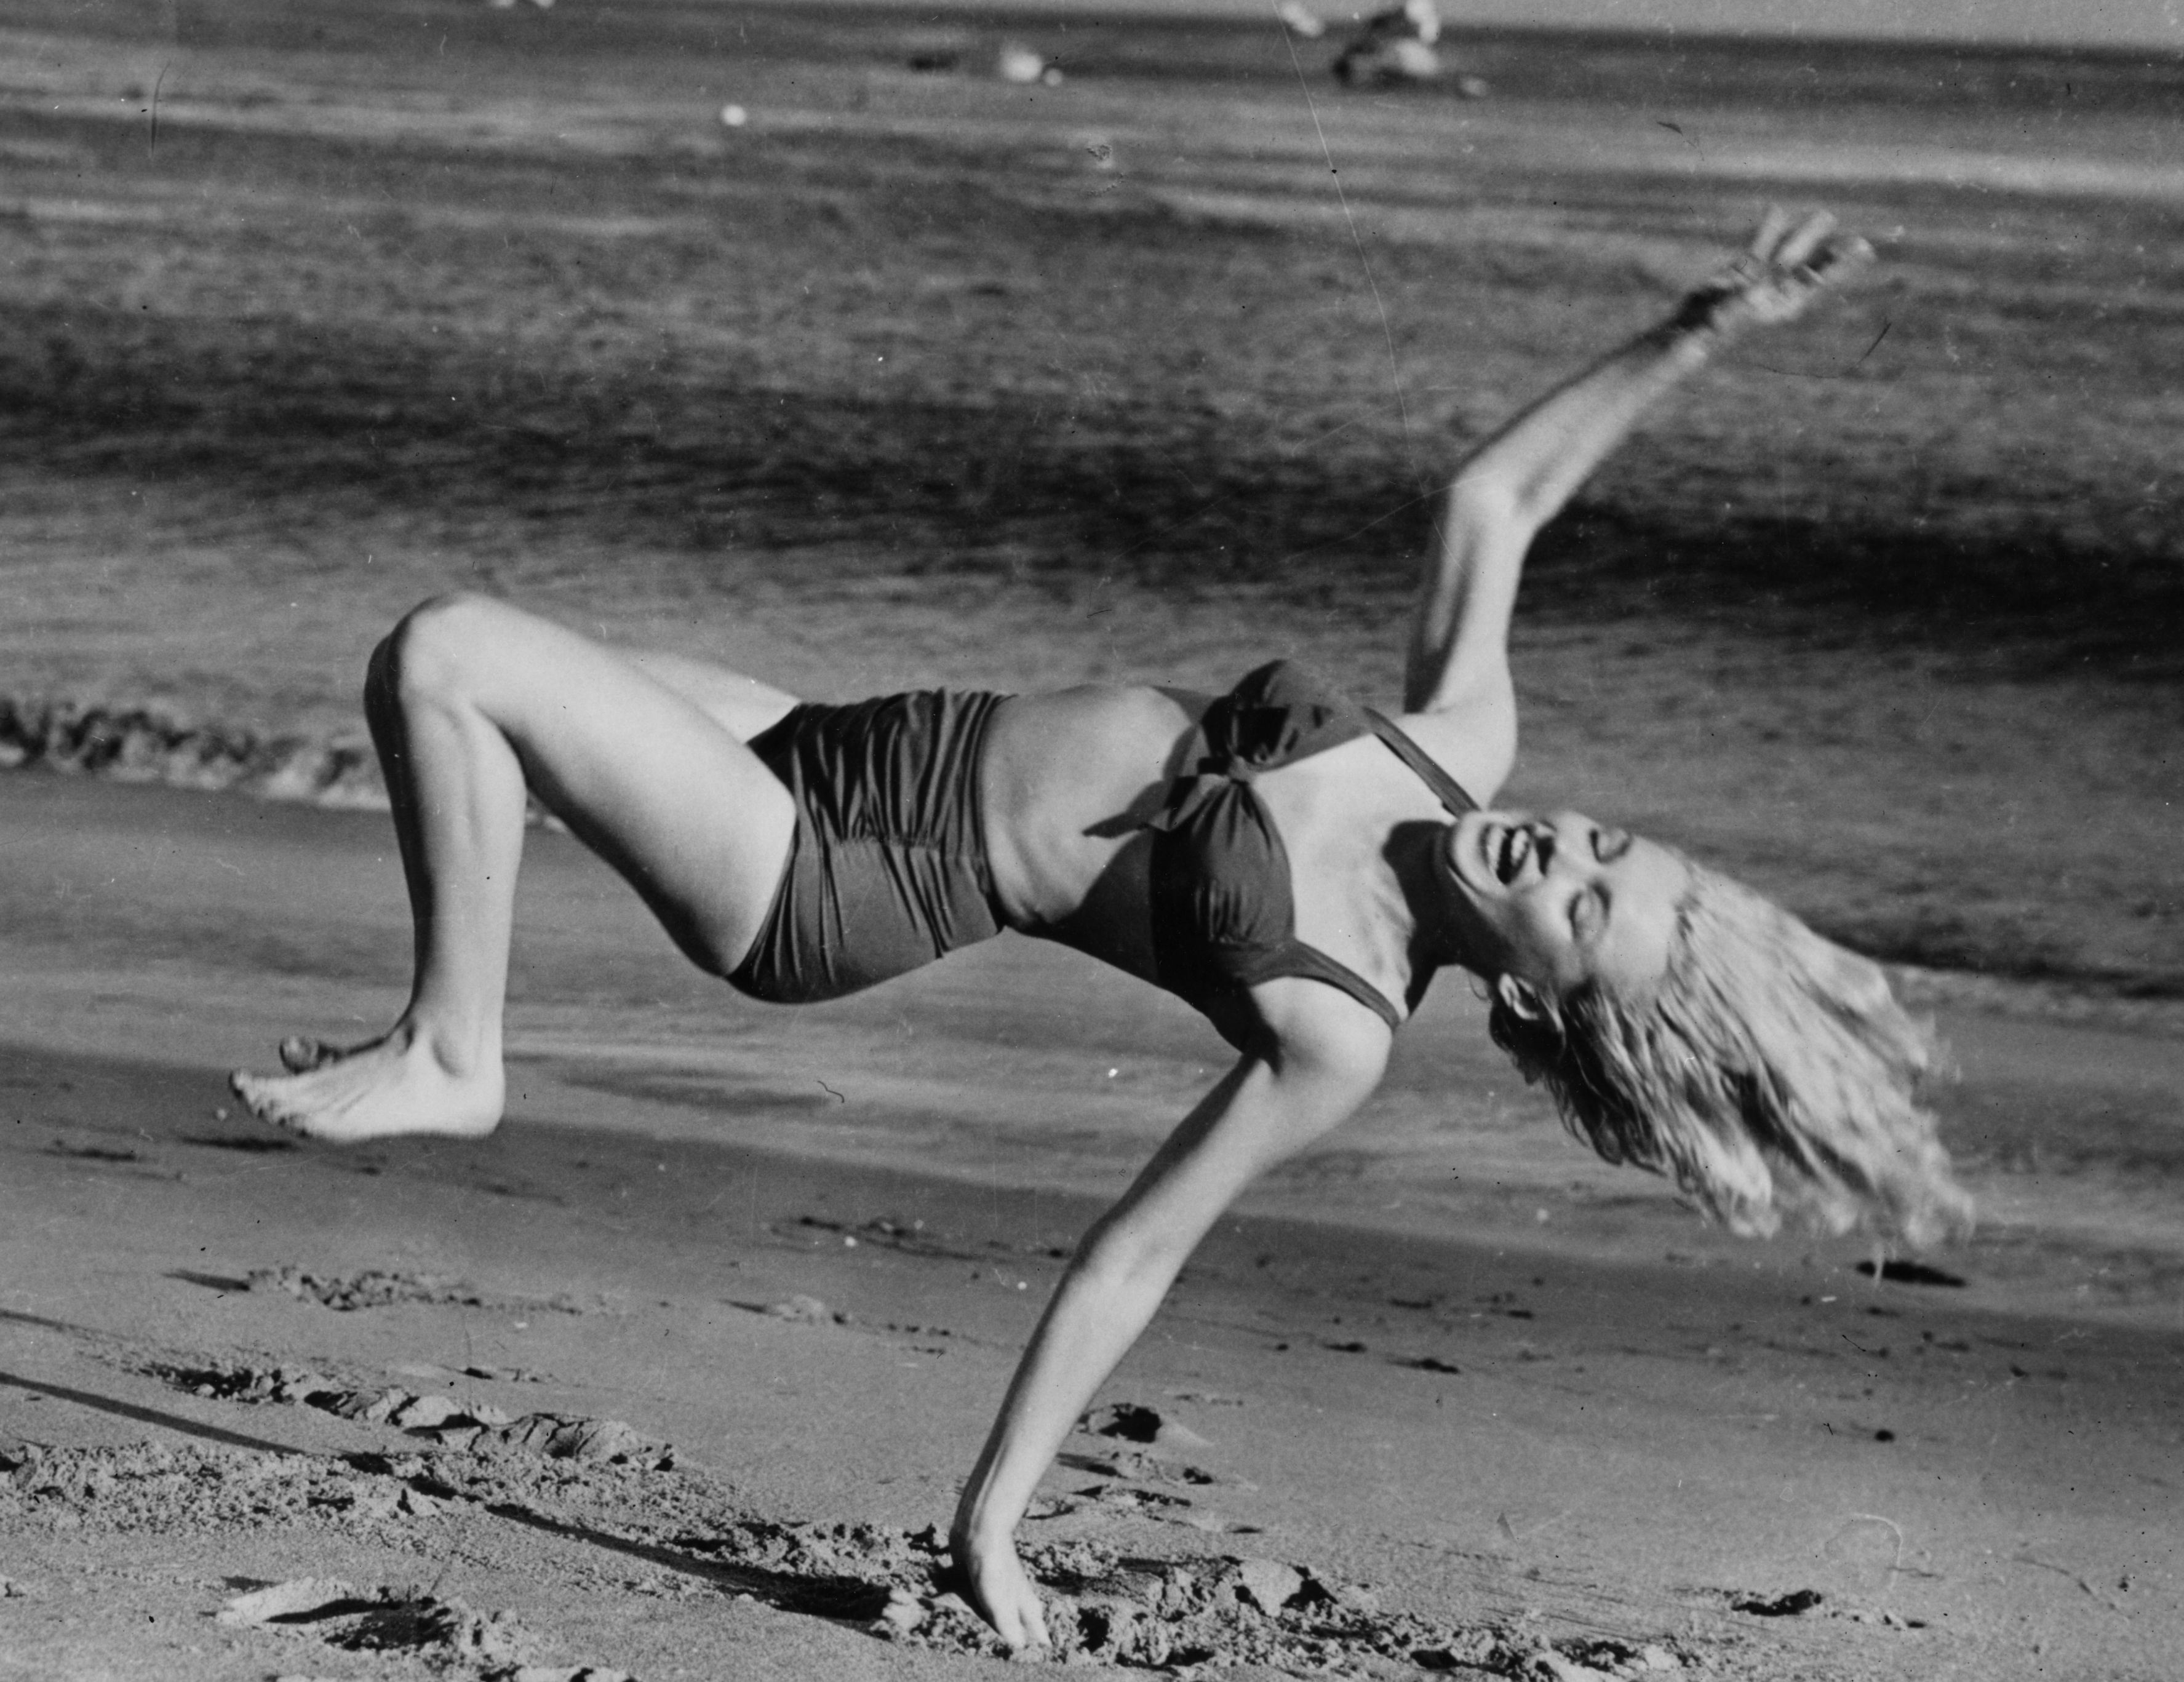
1001	1592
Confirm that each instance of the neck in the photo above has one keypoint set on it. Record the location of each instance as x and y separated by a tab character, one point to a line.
1416	852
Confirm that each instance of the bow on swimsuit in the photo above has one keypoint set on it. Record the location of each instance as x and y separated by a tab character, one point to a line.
1223	916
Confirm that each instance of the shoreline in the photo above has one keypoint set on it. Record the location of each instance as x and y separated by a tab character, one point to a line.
150	746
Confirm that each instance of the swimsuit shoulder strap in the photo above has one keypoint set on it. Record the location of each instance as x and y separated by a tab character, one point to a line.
1455	798
1247	966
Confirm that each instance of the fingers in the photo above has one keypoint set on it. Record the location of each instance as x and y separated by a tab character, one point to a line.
1772	226
1035	1642
1021	1626
1006	1598
1795	254
1838	259
1799	242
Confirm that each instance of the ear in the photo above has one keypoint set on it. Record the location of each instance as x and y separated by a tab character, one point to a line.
1520	998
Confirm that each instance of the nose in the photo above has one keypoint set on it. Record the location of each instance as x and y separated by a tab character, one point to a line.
1564	846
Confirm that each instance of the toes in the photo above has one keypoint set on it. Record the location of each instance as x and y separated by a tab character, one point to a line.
300	1054
261	1104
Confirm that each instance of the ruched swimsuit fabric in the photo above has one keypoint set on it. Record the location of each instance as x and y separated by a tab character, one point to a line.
888	868
1223	916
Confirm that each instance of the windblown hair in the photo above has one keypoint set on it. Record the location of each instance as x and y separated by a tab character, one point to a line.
1769	1070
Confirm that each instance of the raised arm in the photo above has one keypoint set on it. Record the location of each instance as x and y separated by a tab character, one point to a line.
1328	1054
1513	484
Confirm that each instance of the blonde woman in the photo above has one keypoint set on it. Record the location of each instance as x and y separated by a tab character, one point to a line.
1294	864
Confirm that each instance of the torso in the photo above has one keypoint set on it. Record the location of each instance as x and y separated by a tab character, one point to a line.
1070	778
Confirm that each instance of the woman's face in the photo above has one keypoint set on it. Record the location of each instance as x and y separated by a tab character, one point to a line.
1558	900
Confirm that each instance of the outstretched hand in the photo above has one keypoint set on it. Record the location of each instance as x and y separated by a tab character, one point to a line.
1787	265
1001	1591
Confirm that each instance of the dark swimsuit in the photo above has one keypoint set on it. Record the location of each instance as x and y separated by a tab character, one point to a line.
888	868
1224	917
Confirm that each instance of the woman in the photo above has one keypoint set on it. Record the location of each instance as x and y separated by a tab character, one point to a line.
1295	865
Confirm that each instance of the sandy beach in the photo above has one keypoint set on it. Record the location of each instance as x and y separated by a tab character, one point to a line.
1470	1397
917	377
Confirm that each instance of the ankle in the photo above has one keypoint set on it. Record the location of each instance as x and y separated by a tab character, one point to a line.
465	1054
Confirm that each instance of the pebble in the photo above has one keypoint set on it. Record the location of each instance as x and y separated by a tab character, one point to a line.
1268	1584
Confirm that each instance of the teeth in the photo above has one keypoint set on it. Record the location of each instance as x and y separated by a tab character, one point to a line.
1511	854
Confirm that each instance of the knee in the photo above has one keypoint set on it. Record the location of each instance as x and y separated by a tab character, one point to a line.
436	648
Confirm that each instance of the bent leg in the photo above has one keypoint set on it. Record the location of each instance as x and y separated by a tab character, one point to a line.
741	705
471	701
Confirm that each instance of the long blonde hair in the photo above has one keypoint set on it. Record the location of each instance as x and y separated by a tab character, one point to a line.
1767	1071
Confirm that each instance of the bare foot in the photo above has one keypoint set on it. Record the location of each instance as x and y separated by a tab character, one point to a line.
391	1086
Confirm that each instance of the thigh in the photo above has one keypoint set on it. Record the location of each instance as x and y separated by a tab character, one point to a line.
740	704
645	776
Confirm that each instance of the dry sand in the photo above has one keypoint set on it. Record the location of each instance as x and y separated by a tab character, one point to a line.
1450	1396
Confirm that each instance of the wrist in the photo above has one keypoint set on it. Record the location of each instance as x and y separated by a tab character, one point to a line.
966	1545
1690	336
977	1527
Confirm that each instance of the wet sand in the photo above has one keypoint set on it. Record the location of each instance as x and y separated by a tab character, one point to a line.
1528	1406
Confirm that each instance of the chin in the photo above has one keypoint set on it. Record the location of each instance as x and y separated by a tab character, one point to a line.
1478	944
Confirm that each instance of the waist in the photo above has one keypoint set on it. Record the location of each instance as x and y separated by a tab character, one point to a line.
1064	776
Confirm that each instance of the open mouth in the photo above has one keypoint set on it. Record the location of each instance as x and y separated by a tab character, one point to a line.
1509	848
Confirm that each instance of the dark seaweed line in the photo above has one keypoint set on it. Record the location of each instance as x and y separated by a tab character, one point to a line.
147	744
322	423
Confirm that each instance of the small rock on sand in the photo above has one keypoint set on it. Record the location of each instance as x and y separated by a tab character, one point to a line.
423	1412
903	1612
1134	1423
1268	1584
372	1406
284	1600
803	1310
1551	1666
560	1437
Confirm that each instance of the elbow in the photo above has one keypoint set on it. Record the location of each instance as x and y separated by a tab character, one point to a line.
1485	504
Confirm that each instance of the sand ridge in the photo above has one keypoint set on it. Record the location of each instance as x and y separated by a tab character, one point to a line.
1110	1604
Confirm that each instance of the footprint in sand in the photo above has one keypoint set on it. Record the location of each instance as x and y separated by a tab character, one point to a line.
389	1621
799	1310
449	1421
375	1288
